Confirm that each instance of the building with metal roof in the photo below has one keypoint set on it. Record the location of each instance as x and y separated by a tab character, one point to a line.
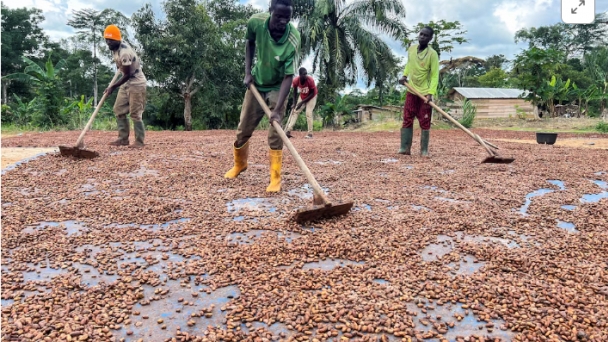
490	102
488	93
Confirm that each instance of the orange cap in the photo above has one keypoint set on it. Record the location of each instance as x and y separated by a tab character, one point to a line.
112	32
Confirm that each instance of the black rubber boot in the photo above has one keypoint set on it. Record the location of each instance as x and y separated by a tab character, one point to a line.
424	142
123	131
406	140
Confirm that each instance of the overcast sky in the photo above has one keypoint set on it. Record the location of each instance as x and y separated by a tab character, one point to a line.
491	24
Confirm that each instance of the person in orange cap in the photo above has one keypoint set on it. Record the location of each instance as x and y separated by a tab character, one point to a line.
131	98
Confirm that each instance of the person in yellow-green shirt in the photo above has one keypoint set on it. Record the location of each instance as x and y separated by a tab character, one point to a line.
277	43
422	68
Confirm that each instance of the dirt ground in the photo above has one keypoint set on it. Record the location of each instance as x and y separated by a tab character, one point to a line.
547	125
156	244
576	142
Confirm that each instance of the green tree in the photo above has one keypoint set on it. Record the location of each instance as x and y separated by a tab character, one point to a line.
446	34
181	52
48	90
89	25
570	39
532	68
496	61
466	70
494	78
223	97
338	35
597	64
21	36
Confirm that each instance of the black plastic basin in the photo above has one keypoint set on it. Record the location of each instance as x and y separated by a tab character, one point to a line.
546	138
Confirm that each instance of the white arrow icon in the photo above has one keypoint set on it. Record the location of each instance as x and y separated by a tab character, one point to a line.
578	11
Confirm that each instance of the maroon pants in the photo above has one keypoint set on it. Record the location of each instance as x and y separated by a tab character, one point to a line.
416	108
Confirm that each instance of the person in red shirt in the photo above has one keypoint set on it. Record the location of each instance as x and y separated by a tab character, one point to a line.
308	99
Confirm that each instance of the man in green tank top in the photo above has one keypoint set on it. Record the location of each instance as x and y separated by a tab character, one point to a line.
278	48
422	68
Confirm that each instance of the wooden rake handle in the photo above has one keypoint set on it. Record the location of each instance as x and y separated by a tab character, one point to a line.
92	118
471	134
311	179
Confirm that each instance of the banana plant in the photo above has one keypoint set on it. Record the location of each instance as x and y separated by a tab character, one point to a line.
579	94
563	91
589	95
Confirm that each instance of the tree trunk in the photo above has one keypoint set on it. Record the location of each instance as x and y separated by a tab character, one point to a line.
94	70
536	117
188	111
4	92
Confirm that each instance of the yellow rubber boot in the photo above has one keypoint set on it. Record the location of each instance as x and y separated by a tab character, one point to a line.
240	161
276	160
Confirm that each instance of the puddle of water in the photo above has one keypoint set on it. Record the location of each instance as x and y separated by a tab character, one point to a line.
167	307
445	244
600	173
445	199
382	200
328	264
392	207
250	236
311	229
381	281
264	204
420	207
43	273
594	198
447	172
568	207
276	328
524	209
305	192
363	206
468	325
72	227
569	226
153	227
389	160
333	162
289	236
409	167
92	277
601	184
558	183
466	266
6	302
490	239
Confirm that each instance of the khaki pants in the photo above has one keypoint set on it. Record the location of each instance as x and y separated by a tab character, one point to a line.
293	117
130	100
251	115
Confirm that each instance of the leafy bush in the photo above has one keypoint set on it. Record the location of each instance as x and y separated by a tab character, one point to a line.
602	127
469	110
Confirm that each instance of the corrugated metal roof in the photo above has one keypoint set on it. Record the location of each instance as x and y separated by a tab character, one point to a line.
489	93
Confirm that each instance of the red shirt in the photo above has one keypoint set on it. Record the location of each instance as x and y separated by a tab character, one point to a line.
305	88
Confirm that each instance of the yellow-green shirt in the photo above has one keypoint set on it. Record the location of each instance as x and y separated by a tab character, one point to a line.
274	59
422	70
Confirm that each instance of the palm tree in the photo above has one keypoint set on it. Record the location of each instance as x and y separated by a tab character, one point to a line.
597	63
90	25
341	36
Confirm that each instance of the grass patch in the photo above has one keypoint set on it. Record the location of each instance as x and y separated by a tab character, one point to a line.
602	127
395	125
